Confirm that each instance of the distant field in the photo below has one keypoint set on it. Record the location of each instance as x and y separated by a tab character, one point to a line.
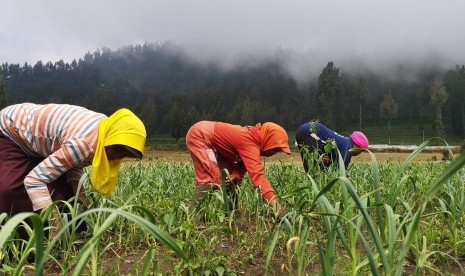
396	157
399	135
166	147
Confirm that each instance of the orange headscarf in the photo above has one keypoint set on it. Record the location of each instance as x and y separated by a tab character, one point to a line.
273	136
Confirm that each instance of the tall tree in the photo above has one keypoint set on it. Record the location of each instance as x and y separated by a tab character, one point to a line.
454	82
389	109
250	112
361	93
438	96
148	115
419	100
180	116
2	91
329	88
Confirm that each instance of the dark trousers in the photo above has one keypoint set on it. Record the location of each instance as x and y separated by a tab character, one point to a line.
14	166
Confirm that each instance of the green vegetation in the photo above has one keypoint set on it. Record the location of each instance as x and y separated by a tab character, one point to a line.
374	219
2	91
400	135
170	93
163	142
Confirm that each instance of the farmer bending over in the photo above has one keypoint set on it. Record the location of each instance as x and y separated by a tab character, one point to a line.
216	145
315	136
43	149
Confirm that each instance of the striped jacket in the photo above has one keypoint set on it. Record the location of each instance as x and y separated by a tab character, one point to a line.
64	135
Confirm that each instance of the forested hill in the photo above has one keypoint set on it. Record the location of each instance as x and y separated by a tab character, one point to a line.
170	92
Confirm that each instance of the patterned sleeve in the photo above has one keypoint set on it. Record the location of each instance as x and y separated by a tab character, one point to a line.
71	154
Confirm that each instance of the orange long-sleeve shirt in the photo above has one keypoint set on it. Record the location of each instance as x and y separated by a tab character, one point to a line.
238	149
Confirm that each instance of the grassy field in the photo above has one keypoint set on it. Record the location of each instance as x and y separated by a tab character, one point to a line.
377	134
402	135
294	158
381	217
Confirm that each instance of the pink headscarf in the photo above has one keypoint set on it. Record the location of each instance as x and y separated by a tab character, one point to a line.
359	139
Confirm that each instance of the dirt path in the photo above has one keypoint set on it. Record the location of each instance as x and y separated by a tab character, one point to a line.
183	156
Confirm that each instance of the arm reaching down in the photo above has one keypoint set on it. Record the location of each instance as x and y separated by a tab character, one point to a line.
71	154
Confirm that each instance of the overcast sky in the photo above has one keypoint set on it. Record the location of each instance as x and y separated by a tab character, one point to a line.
309	33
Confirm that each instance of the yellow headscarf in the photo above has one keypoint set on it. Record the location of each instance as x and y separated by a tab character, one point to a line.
273	136
121	128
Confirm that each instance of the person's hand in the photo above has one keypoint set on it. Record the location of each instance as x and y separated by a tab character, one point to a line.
84	200
54	221
80	194
232	183
326	160
276	206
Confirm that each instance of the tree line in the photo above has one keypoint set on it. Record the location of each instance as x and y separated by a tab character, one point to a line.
170	92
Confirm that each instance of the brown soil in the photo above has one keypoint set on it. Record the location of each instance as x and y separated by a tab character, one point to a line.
391	157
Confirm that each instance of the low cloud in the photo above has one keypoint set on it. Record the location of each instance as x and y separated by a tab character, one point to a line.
358	35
